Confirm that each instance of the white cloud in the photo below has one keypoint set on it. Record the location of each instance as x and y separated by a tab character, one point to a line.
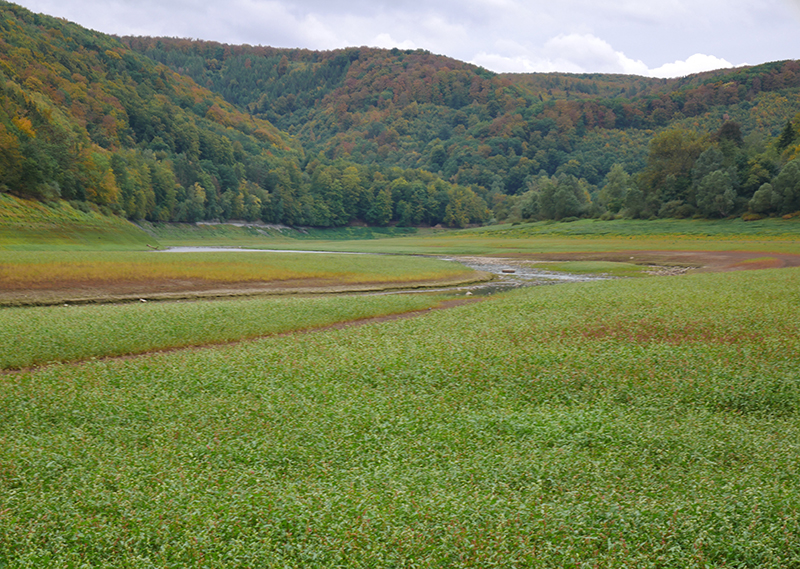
580	36
697	63
591	54
585	53
386	41
572	53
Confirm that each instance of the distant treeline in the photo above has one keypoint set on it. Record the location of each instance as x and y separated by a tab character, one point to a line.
687	174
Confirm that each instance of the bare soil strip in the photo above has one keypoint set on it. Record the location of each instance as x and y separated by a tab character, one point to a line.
164	290
695	261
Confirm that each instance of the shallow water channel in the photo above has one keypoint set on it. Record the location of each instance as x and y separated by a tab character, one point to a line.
515	274
509	274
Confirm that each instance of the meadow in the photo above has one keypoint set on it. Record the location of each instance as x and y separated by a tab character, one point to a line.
648	422
27	225
34	336
585	236
631	423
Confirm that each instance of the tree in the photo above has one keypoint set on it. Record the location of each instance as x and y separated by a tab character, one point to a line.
715	194
634	203
529	205
438	157
353	198
617	183
564	197
762	199
788	135
730	132
786	187
193	208
709	161
381	211
672	153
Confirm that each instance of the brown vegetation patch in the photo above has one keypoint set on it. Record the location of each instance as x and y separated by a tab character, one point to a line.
760	263
697	261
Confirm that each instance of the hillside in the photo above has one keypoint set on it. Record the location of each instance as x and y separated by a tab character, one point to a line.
505	135
87	120
179	130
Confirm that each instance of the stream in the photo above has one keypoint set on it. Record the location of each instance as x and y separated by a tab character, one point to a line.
509	274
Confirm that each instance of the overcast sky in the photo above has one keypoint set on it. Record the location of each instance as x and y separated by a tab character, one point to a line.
660	38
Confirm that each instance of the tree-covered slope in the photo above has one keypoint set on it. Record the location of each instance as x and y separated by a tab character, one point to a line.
85	119
365	135
503	134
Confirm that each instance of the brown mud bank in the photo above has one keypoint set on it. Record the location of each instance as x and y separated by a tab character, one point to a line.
89	292
691	261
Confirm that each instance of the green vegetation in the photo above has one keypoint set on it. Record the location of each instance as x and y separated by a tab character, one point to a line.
36	336
644	422
635	422
378	137
30	225
253	236
85	119
543	146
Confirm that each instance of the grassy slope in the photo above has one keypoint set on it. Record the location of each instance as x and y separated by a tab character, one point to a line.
30	225
26	225
648	422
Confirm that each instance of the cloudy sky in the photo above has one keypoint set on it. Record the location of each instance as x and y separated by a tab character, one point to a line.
660	38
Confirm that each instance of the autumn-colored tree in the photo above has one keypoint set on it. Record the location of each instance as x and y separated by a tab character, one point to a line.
672	156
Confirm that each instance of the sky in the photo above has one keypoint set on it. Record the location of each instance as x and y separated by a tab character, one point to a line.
657	38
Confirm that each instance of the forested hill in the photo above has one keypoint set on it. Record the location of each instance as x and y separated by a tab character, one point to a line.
85	119
507	135
168	129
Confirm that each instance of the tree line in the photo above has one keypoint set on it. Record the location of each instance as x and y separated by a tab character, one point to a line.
687	174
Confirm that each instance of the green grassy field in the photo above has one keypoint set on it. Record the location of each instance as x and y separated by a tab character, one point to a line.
42	335
647	422
34	226
772	235
630	423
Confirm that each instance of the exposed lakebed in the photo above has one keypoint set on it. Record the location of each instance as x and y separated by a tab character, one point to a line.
509	274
